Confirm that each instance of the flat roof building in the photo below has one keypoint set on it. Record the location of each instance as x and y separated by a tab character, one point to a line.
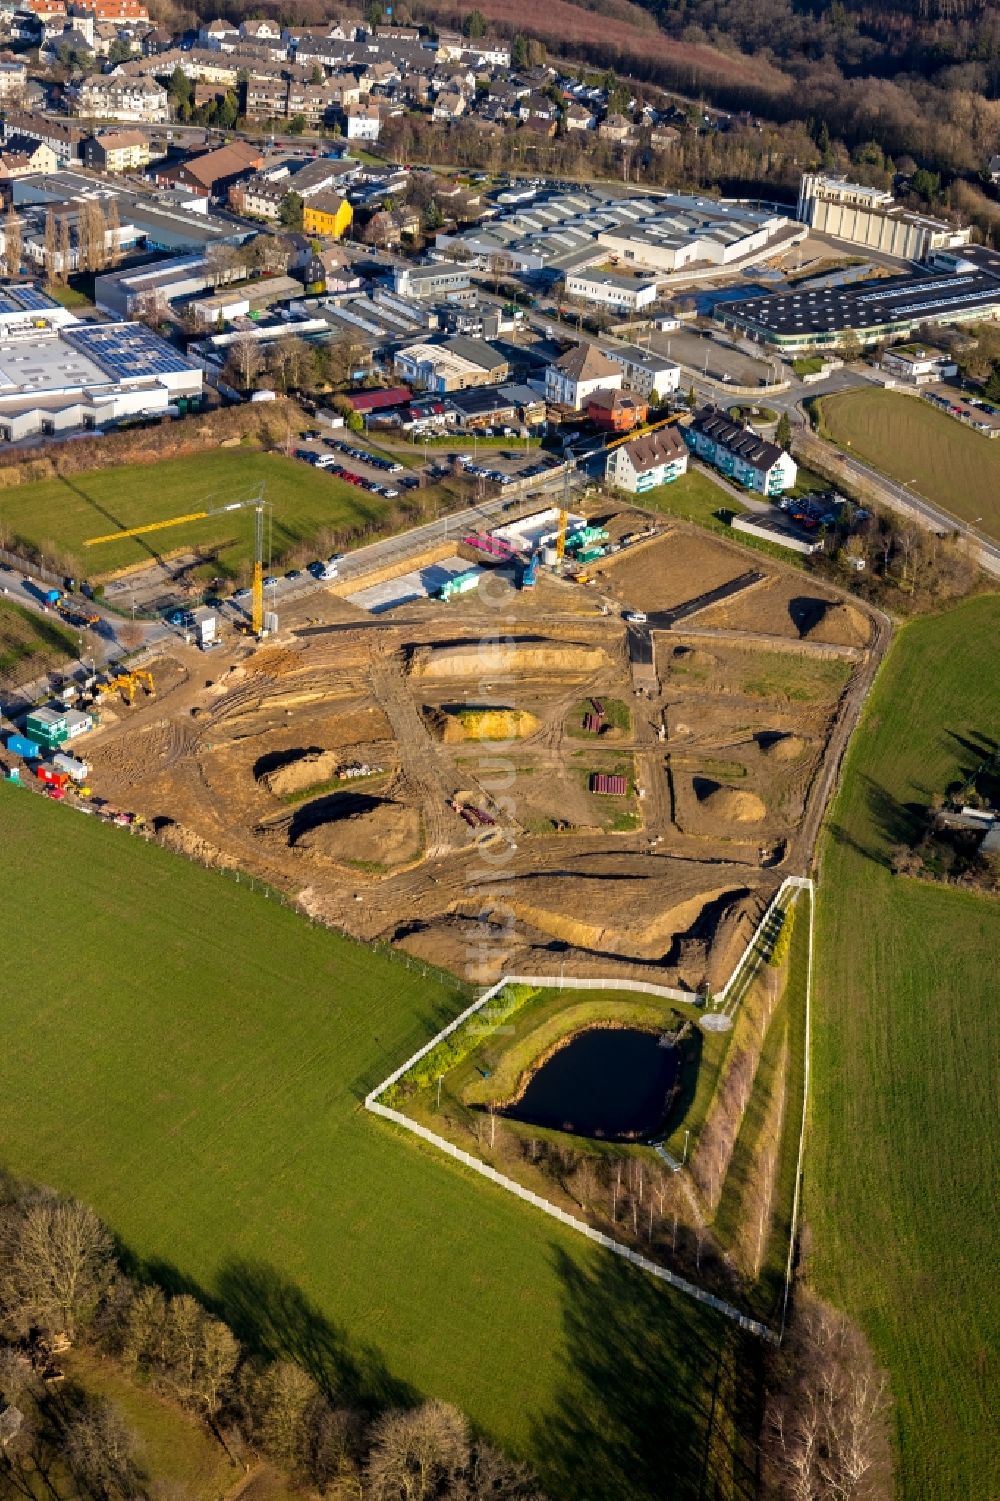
956	288
437	280
59	376
870	216
451	366
564	233
611	289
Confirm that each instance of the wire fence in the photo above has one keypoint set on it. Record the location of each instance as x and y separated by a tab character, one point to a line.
616	1247
754	955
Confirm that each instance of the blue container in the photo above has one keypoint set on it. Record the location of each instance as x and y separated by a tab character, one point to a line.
20	745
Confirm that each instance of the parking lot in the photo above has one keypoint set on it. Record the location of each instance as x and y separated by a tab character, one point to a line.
982	415
342	454
705	355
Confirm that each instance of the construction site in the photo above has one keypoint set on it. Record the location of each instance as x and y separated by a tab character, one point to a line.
578	767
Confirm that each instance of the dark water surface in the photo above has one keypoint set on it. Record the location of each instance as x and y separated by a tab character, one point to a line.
605	1083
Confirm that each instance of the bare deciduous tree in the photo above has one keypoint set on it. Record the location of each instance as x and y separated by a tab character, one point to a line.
825	1436
49	251
114	233
101	1454
12	243
494	1477
243	362
419	1454
59	1261
65	257
274	1401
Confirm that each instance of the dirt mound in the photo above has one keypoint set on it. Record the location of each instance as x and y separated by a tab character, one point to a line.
272	661
735	805
686	657
841	625
307	770
371	831
178	837
453	727
784	748
520	658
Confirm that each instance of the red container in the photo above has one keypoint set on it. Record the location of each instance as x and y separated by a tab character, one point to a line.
51	778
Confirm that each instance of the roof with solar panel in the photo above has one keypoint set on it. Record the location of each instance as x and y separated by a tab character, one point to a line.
127	351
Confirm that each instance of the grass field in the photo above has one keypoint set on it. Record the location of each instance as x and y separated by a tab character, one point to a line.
693	497
192	1060
696	497
30	644
914	443
60	514
901	1172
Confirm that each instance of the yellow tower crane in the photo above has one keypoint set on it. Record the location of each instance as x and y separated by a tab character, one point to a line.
257	503
563	521
561	538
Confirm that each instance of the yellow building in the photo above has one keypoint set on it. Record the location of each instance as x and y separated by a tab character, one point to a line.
326	214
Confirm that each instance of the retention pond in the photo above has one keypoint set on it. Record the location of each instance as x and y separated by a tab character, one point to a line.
612	1083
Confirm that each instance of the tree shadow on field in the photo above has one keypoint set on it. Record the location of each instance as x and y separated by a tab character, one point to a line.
661	1398
274	1318
891	821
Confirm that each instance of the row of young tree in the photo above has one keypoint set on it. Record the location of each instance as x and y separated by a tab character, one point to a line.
61	1283
97	236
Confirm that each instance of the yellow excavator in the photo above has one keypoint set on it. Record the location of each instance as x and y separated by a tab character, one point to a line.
257	503
126	683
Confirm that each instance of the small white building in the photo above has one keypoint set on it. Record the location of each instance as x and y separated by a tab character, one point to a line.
651	459
577	374
918	363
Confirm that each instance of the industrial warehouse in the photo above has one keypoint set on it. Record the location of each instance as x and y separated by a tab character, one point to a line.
956	287
560	233
58	374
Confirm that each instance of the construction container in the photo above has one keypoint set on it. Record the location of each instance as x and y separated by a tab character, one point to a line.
51	777
78	723
20	745
47	726
590	554
550	556
462	583
585	536
608	783
74	769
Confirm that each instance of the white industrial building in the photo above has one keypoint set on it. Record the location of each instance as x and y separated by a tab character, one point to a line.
695	232
919	364
159	284
871	217
439	279
567	232
625	294
57	374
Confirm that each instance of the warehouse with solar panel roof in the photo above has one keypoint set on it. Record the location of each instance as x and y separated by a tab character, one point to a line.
58	374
